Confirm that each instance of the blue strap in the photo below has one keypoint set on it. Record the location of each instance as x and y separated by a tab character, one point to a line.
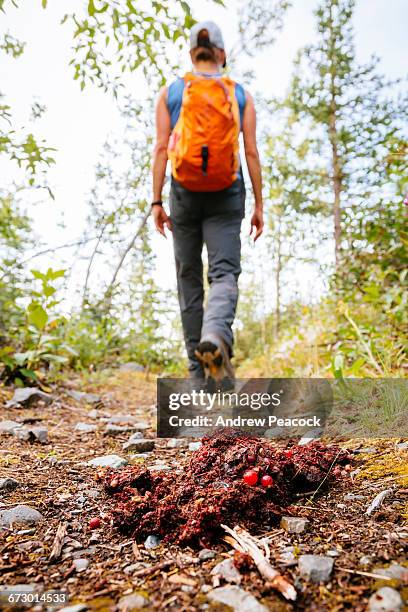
175	98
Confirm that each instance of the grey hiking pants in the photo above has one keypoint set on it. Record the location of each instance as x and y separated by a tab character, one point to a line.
213	219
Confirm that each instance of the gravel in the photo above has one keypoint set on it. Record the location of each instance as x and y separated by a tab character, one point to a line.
113	461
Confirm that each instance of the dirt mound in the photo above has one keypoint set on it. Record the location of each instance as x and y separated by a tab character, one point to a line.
233	478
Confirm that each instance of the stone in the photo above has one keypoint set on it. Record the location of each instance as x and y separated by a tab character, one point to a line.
275	432
395	571
134	601
117	430
88	398
402	446
32	434
194	446
8	484
75	608
206	554
7	590
80	564
161	467
20	515
293	524
353	497
152	541
138	445
177	443
129	419
7	428
113	461
315	568
227	571
310	436
365	560
332	553
131	366
369	450
238	599
27	397
85	427
385	599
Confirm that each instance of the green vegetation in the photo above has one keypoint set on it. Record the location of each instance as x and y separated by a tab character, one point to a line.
335	174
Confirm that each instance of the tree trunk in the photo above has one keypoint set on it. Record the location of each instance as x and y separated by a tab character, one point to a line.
278	281
336	162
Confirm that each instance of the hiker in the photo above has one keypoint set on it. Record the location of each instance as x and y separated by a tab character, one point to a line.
198	121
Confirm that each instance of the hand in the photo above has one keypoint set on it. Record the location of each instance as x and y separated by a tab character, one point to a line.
257	222
161	219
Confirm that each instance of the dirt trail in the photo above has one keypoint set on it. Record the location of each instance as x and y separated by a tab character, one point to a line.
100	567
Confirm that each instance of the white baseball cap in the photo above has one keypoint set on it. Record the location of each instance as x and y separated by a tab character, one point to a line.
214	34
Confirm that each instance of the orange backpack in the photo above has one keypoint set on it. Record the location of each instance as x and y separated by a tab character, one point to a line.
203	146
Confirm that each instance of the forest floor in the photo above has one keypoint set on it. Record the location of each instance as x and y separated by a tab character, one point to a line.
104	570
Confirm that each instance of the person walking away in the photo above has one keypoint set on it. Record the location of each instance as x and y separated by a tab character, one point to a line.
198	121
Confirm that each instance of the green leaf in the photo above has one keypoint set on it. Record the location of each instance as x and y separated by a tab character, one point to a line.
44	3
37	316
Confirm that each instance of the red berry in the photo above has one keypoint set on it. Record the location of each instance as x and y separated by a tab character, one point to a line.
95	523
266	481
287	452
251	477
251	458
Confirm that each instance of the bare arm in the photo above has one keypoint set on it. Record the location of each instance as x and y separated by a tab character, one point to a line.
253	163
163	129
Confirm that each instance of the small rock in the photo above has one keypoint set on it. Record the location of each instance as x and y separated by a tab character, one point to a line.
369	450
8	484
27	397
353	497
238	599
395	571
88	398
76	608
92	493
134	601
20	515
293	524
139	445
131	366
227	571
113	461
377	501
332	553
402	446
194	446
81	564
315	567
32	434
85	427
162	467
26	532
206	554
310	436
275	432
8	428
129	419
177	443
342	506
7	590
365	560
385	599
52	460
206	588
117	430
152	541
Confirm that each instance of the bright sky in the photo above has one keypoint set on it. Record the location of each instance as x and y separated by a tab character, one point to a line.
77	123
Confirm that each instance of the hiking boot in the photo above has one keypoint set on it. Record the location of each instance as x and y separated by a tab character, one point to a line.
215	360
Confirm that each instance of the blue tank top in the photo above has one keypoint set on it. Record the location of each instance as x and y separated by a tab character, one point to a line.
175	98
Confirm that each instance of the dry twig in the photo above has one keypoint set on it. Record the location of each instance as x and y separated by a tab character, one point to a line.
242	541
